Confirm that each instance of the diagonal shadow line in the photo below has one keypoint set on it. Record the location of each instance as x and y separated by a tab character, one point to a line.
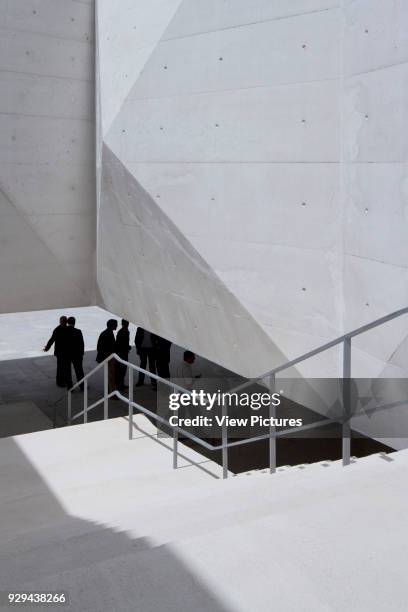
188	249
98	83
395	351
26	219
182	243
197	464
45	547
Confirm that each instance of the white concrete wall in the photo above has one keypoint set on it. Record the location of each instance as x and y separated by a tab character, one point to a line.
375	276
265	142
47	156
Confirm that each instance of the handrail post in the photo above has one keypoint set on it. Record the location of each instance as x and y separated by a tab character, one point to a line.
175	448
346	428
175	444
86	400
69	408
105	390
224	442
272	428
130	403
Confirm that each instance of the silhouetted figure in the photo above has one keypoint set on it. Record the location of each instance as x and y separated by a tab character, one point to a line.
76	351
185	372
105	347
146	350
162	347
122	348
60	341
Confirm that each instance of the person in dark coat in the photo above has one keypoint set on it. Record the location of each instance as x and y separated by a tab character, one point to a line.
105	347
162	347
122	348
59	339
76	350
145	348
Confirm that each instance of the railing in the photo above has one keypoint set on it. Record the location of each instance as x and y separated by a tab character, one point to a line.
272	435
106	395
345	340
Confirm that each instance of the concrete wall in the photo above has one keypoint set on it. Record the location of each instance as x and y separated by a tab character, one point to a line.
375	246
252	175
47	184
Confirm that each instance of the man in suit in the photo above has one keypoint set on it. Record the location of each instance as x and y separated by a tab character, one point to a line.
145	348
104	348
162	356
59	339
76	349
122	348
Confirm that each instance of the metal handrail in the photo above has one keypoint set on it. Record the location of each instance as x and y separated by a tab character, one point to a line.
207	445
272	435
323	348
345	340
130	365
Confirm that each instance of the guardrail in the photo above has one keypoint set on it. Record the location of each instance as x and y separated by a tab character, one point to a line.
345	340
161	420
272	435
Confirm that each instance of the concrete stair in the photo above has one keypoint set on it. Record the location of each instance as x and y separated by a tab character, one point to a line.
108	519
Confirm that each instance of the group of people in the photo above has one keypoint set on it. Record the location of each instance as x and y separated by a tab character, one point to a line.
153	352
69	350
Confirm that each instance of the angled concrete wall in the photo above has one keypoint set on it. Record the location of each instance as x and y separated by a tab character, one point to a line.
265	140
47	176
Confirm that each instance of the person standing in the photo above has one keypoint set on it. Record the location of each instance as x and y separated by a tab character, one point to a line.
162	356
145	348
122	348
76	350
185	373
104	348
59	339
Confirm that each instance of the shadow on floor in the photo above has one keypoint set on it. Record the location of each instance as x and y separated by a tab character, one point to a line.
43	548
33	379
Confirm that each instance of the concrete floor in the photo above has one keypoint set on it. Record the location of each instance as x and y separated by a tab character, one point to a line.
33	380
21	417
27	374
30	381
24	334
107	520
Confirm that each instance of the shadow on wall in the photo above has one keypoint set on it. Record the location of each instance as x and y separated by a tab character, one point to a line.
43	548
144	275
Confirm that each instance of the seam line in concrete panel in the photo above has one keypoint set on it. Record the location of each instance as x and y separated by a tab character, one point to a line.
251	23
225	162
36	115
250	87
385	67
397	349
50	164
289	328
85	41
260	161
386	263
54	214
47	76
270	243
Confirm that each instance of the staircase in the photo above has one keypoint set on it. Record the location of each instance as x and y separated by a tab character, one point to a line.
108	520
